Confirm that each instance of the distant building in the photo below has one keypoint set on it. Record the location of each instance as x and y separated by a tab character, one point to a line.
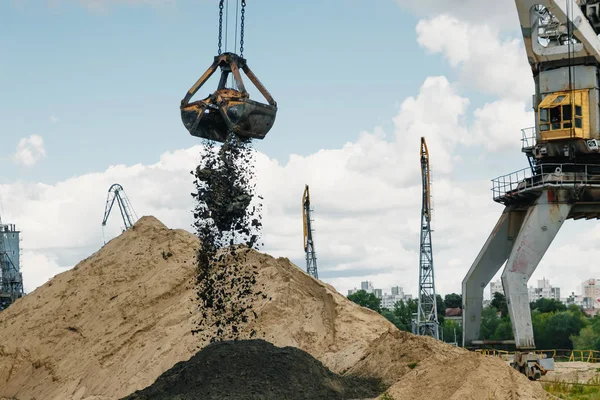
590	290
543	291
496	287
367	286
388	301
573	298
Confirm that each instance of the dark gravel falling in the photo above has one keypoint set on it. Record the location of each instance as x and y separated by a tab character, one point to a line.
225	218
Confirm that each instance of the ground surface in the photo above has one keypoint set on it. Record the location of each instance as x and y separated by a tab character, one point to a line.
125	315
252	370
581	372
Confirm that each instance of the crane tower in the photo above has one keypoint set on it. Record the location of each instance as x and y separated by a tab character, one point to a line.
116	193
563	178
427	321
11	284
309	245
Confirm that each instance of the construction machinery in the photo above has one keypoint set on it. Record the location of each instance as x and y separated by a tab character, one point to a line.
116	193
11	278
228	109
427	320
309	245
563	178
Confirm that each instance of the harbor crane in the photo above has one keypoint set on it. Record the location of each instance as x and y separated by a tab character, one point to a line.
427	320
117	194
563	178
228	110
309	245
11	278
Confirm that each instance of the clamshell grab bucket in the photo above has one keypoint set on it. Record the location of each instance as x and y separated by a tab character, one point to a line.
228	110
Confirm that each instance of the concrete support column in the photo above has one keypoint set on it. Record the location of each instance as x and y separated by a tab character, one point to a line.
539	228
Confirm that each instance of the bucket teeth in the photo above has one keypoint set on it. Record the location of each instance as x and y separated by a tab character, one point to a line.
228	110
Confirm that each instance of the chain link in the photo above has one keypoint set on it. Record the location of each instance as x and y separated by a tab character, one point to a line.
220	23
242	29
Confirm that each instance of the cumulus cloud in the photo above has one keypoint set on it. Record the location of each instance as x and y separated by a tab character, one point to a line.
501	13
30	151
366	194
486	62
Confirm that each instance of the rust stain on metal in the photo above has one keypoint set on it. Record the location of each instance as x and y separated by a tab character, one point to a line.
228	110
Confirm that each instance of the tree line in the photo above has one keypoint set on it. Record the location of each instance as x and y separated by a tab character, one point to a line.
555	326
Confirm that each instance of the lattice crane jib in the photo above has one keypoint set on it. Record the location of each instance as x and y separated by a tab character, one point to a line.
309	246
427	321
11	279
117	194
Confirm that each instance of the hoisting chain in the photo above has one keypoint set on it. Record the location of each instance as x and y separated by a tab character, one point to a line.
220	23
242	30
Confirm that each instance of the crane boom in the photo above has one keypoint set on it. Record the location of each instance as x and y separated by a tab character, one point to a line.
427	321
547	26
309	246
117	194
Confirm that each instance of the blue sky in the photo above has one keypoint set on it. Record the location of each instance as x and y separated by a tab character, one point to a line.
114	78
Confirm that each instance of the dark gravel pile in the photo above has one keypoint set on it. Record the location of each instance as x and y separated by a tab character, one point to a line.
254	369
226	217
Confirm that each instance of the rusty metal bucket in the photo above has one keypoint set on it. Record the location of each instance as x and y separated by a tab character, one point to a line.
228	110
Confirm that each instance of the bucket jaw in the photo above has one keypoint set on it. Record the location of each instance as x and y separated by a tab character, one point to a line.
228	110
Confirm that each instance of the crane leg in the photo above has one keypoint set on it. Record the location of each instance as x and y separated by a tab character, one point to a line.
539	228
490	259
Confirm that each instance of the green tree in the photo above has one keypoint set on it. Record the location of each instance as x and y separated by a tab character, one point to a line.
588	339
548	305
561	326
449	329
540	332
369	300
453	300
489	323
589	336
499	303
503	330
441	311
403	313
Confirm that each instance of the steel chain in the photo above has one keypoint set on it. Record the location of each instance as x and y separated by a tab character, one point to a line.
220	23
242	30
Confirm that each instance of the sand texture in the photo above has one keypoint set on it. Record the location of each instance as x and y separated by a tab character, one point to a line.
123	316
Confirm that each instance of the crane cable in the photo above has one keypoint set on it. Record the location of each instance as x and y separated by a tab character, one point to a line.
243	10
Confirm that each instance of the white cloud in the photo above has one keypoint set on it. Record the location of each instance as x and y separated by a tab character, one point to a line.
501	13
54	119
486	63
366	196
30	151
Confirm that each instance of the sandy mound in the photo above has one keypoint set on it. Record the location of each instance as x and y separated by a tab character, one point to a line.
574	371
466	376
254	369
114	323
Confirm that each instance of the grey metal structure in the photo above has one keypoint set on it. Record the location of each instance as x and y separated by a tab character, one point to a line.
563	180
11	284
309	245
427	321
116	193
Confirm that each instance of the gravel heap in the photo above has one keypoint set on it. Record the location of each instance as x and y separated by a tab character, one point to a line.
254	369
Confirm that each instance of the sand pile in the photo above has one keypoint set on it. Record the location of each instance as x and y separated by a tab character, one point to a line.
122	317
254	369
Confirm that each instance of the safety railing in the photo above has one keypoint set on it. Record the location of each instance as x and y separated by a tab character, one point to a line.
541	175
528	138
559	355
